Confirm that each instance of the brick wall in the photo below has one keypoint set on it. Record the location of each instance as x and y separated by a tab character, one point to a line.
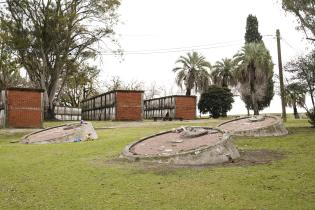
24	109
185	107
129	105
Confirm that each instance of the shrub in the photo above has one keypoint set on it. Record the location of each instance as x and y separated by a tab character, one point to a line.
216	100
311	115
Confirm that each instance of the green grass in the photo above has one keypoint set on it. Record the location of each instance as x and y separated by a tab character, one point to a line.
77	175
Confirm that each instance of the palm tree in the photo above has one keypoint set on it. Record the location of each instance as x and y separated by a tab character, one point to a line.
254	68
222	75
193	72
295	96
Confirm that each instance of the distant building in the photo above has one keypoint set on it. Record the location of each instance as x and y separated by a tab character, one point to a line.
174	107
114	105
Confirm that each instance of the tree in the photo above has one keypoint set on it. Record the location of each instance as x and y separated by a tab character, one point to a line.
252	34
304	10
193	72
116	83
254	70
295	96
9	67
222	75
52	36
80	85
216	100
263	101
152	91
303	71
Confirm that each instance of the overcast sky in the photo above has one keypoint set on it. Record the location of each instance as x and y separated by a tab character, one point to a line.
154	33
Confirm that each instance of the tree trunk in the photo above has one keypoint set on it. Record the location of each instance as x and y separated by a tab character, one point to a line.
252	81
224	82
296	114
188	92
255	104
49	108
312	99
248	114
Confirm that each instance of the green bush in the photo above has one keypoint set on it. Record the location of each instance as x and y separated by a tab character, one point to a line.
311	115
216	100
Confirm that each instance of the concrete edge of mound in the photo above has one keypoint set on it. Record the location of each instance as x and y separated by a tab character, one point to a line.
223	151
85	133
275	129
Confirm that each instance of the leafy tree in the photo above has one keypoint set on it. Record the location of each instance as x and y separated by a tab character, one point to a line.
193	72
52	36
254	70
252	34
303	70
304	10
295	96
9	67
216	100
222	75
80	85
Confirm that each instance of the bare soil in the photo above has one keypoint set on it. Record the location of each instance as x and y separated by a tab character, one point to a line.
248	158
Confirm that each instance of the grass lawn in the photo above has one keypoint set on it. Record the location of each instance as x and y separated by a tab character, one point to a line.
79	175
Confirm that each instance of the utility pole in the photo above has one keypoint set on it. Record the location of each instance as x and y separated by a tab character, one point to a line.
284	115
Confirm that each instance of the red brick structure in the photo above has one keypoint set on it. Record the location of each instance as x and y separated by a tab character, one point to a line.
114	105
21	108
176	107
129	105
185	107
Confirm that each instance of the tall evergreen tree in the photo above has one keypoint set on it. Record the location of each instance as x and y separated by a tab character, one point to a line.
252	35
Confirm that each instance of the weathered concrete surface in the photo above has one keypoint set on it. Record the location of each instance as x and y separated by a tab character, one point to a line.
238	127
66	133
220	151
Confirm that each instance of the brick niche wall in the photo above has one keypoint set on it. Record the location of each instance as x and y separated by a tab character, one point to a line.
24	109
129	105
185	107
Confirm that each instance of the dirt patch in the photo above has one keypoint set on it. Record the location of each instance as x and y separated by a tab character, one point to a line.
248	158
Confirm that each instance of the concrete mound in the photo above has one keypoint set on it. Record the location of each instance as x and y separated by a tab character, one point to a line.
255	126
178	148
65	133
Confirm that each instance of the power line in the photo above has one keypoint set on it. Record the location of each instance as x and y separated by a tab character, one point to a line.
293	48
170	50
182	49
